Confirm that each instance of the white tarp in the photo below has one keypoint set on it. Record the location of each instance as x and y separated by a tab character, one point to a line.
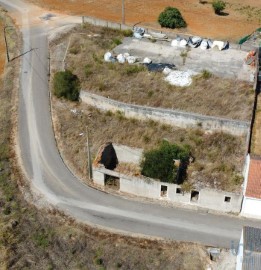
180	78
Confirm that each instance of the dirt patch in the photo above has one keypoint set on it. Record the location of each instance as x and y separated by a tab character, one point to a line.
243	18
209	95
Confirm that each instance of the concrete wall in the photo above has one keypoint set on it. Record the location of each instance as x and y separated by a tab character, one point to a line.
240	253
149	188
104	23
172	117
128	154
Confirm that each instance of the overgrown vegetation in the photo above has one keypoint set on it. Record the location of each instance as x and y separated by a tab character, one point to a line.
160	163
171	18
67	85
218	6
134	84
218	156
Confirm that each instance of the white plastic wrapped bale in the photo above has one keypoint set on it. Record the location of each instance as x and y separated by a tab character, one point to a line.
121	59
108	57
175	43
183	43
204	44
131	59
180	78
218	44
147	60
166	71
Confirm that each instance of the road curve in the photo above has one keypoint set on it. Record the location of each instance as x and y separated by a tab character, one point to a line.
49	175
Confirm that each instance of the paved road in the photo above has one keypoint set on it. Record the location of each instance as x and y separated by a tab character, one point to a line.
52	178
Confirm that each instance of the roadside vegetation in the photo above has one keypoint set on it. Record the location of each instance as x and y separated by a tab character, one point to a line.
36	239
67	85
207	95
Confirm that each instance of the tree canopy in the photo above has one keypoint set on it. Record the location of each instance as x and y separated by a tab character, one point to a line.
67	85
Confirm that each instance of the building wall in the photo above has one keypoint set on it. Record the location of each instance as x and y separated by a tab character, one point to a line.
172	117
128	154
149	188
251	208
240	253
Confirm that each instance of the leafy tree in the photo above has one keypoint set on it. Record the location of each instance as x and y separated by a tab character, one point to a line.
171	18
67	85
159	163
218	6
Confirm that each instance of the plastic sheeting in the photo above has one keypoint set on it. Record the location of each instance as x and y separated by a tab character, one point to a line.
180	78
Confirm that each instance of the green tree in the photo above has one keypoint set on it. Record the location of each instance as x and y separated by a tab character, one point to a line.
218	6
159	163
171	18
67	85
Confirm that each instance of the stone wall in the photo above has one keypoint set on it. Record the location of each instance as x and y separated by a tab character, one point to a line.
207	198
168	116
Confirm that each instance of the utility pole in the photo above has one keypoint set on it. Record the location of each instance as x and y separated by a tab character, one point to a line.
89	154
6	45
123	12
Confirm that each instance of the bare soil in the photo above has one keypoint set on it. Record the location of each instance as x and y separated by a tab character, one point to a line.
240	17
134	84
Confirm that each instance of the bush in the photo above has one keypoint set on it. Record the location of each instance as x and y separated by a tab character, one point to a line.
159	163
218	6
171	18
67	85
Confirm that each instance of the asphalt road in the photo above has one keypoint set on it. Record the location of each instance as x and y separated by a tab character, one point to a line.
50	176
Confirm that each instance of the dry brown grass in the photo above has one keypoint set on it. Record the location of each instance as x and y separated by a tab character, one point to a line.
256	132
134	84
218	156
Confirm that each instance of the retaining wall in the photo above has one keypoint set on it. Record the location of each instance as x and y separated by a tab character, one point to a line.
208	198
168	116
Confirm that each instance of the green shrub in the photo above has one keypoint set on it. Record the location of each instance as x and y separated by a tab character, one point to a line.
159	163
117	41
67	85
171	18
218	6
206	74
127	33
133	69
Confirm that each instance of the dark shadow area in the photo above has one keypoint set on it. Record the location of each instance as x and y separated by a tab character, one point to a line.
221	13
203	2
109	158
112	182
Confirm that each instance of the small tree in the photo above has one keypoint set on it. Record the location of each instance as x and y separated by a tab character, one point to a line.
159	163
171	18
218	6
67	85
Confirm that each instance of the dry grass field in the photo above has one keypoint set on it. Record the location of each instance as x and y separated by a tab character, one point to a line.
243	17
213	96
218	157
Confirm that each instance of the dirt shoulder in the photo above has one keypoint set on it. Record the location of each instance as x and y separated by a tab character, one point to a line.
31	238
243	17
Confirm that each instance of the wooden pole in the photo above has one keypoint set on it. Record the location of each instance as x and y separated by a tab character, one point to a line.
89	155
123	12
